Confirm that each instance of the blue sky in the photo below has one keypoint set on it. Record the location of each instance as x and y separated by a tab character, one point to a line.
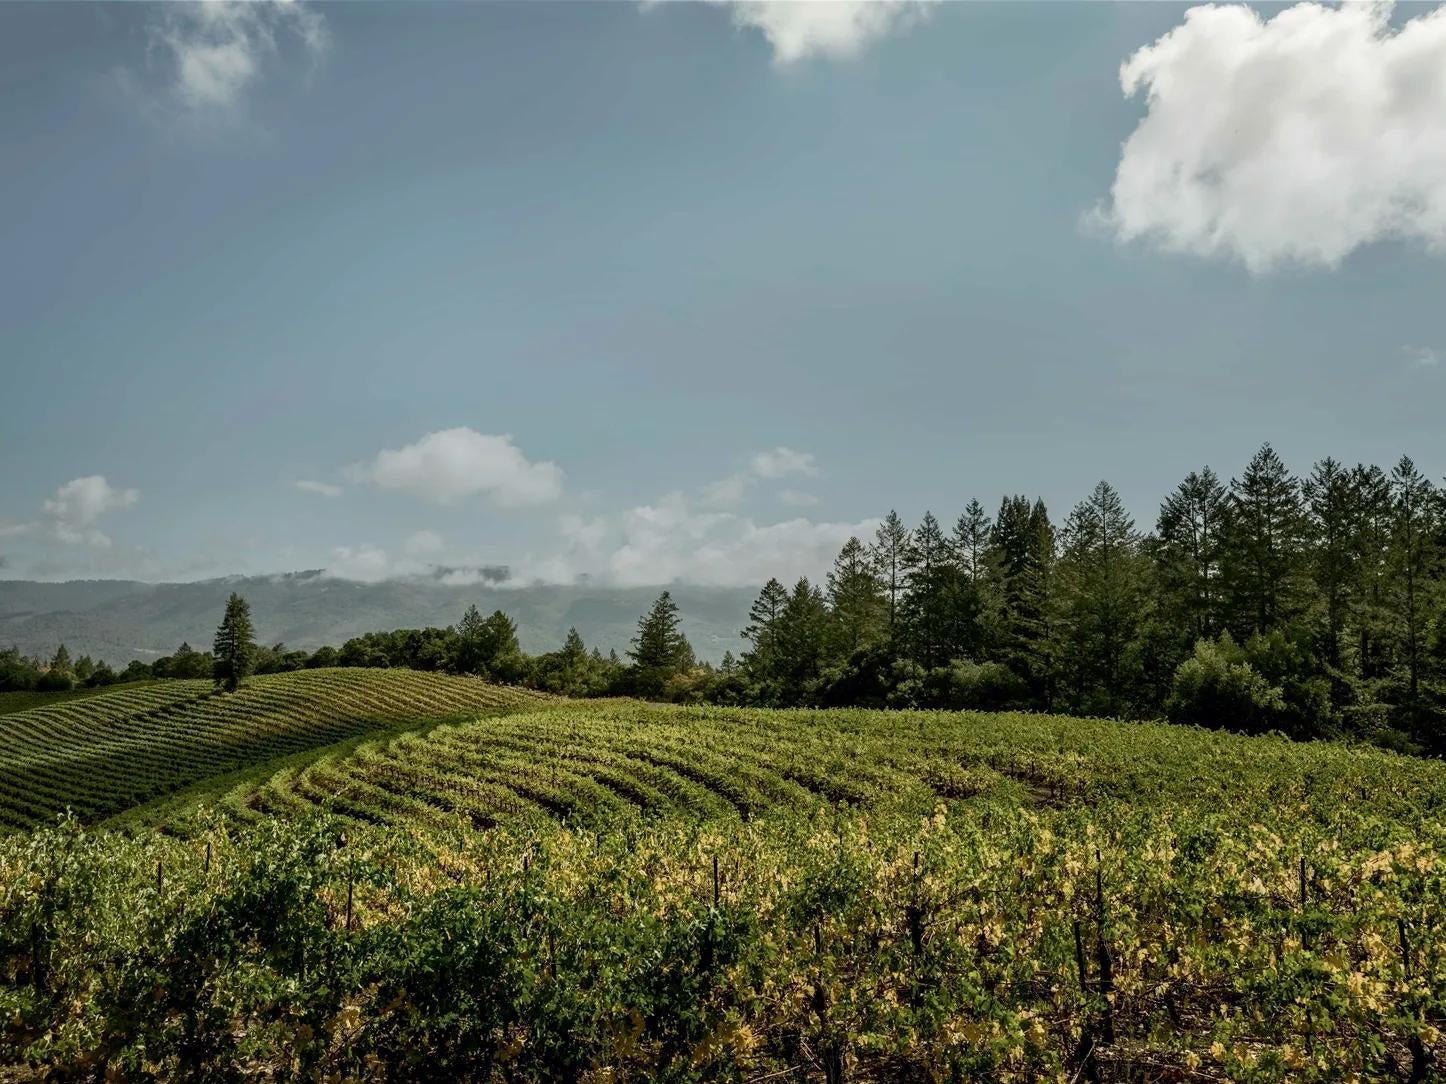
676	291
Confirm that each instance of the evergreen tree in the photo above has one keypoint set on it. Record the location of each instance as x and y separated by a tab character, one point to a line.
927	569
1021	558
801	630
1101	585
234	650
1263	546
1372	575
60	662
761	660
1413	564
1188	545
891	543
855	601
660	651
1332	515
971	542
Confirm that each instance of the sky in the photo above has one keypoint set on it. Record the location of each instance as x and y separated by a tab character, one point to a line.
690	292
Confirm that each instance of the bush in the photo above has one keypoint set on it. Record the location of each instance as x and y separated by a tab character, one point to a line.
1218	688
55	681
981	686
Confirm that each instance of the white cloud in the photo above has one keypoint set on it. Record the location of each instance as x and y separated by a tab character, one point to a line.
781	462
73	511
423	544
797	498
834	29
1422	357
725	492
451	464
324	489
676	538
1292	140
365	563
214	51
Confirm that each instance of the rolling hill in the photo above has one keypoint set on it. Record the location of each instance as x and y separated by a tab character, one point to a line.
118	620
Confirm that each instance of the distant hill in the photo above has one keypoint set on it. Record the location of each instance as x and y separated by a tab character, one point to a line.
120	620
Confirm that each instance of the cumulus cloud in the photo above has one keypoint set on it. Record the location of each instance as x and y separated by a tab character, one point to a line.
832	29
781	462
452	464
1293	140
73	511
212	53
366	563
676	538
323	489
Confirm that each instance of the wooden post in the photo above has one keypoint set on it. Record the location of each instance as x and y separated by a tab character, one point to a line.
1302	883
350	885
1102	952
160	877
715	881
1084	1051
208	856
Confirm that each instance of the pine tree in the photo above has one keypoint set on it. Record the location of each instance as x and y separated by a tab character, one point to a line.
971	541
891	542
927	569
1101	585
760	661
1332	513
1188	548
1413	564
800	629
1021	558
1372	575
60	662
660	651
1263	547
234	649
855	602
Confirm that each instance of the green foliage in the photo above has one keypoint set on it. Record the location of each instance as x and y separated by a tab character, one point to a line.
141	742
895	895
1217	687
660	651
234	650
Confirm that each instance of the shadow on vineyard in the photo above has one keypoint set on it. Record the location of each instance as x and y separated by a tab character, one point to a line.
625	891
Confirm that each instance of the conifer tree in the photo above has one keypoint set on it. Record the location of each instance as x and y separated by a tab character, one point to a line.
1264	544
927	568
233	651
800	629
891	543
1413	560
855	601
1331	517
1188	548
1101	598
761	660
660	651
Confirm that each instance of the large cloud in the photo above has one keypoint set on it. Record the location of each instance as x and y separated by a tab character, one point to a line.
834	29
215	51
451	464
1292	140
674	539
78	504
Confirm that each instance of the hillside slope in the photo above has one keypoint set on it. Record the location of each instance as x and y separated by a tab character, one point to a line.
122	620
594	763
103	754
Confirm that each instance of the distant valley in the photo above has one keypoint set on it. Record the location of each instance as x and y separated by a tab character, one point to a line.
120	620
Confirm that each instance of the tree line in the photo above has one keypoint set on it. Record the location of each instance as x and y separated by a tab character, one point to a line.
1311	606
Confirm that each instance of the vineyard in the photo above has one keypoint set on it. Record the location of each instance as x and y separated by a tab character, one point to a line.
608	891
102	754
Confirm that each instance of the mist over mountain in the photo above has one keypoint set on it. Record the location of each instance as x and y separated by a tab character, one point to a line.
120	620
